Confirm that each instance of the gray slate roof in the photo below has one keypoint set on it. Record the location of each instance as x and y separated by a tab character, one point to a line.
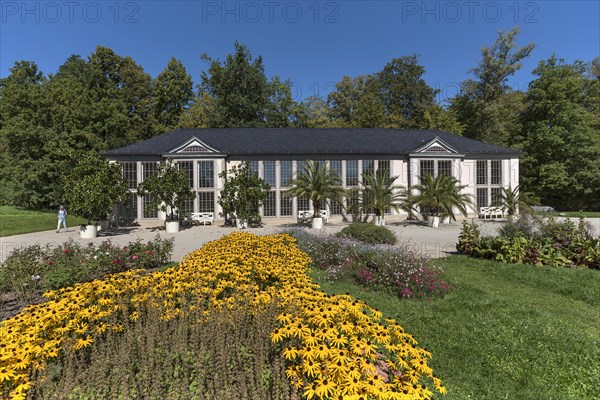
285	141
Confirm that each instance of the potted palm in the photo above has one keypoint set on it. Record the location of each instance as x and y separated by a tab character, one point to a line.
169	189
242	195
91	189
378	194
318	183
440	196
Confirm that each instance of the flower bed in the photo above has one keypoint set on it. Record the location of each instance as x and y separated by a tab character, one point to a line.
334	345
377	267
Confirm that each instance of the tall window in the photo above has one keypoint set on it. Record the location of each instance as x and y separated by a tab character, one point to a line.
368	167
130	174
188	168
188	207
384	167
482	197
427	168
303	203
253	167
149	212
285	173
148	169
489	183
269	172
128	210
482	173
285	205
269	207
445	167
351	173
206	201
496	172
206	174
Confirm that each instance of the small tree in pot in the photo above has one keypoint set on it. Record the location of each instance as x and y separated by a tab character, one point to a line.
318	183
440	195
169	189
243	194
379	192
91	190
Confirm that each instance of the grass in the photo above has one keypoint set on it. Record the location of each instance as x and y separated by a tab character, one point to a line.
506	331
15	221
571	214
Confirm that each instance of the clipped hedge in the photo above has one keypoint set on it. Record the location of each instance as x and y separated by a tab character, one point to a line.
368	233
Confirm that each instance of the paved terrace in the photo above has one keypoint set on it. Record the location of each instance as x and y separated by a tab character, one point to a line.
432	242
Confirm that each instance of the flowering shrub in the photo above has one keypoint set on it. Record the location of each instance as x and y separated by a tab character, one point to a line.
334	345
32	268
379	267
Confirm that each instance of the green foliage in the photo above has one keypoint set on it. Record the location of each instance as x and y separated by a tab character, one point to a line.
173	91
368	233
93	186
562	165
169	188
486	106
229	355
318	183
440	195
243	193
532	240
30	269
468	238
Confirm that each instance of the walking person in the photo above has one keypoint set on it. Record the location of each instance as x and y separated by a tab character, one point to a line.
62	218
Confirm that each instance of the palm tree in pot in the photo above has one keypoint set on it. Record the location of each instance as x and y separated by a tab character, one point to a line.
441	196
378	194
318	183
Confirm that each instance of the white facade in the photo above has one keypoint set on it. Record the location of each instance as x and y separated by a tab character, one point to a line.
483	176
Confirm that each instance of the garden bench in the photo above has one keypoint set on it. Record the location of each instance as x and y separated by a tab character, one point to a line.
305	216
203	217
491	212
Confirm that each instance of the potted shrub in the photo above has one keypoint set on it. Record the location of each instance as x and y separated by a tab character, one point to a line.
243	194
318	183
440	196
91	189
169	188
378	194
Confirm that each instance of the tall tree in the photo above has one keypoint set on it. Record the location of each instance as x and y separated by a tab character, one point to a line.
283	111
356	102
404	92
562	145
482	105
173	92
240	88
438	118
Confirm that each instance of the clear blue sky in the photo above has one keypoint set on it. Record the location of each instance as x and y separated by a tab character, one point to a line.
312	43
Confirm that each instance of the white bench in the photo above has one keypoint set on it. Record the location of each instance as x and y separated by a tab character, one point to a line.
305	216
491	212
203	217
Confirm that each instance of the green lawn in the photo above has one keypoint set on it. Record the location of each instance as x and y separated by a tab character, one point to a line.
506	331
571	214
14	221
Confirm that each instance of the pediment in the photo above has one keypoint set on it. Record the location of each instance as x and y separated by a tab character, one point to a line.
436	146
193	146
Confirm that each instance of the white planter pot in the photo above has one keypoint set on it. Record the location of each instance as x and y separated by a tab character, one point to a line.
88	231
316	223
433	222
102	225
172	226
240	223
446	220
379	220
